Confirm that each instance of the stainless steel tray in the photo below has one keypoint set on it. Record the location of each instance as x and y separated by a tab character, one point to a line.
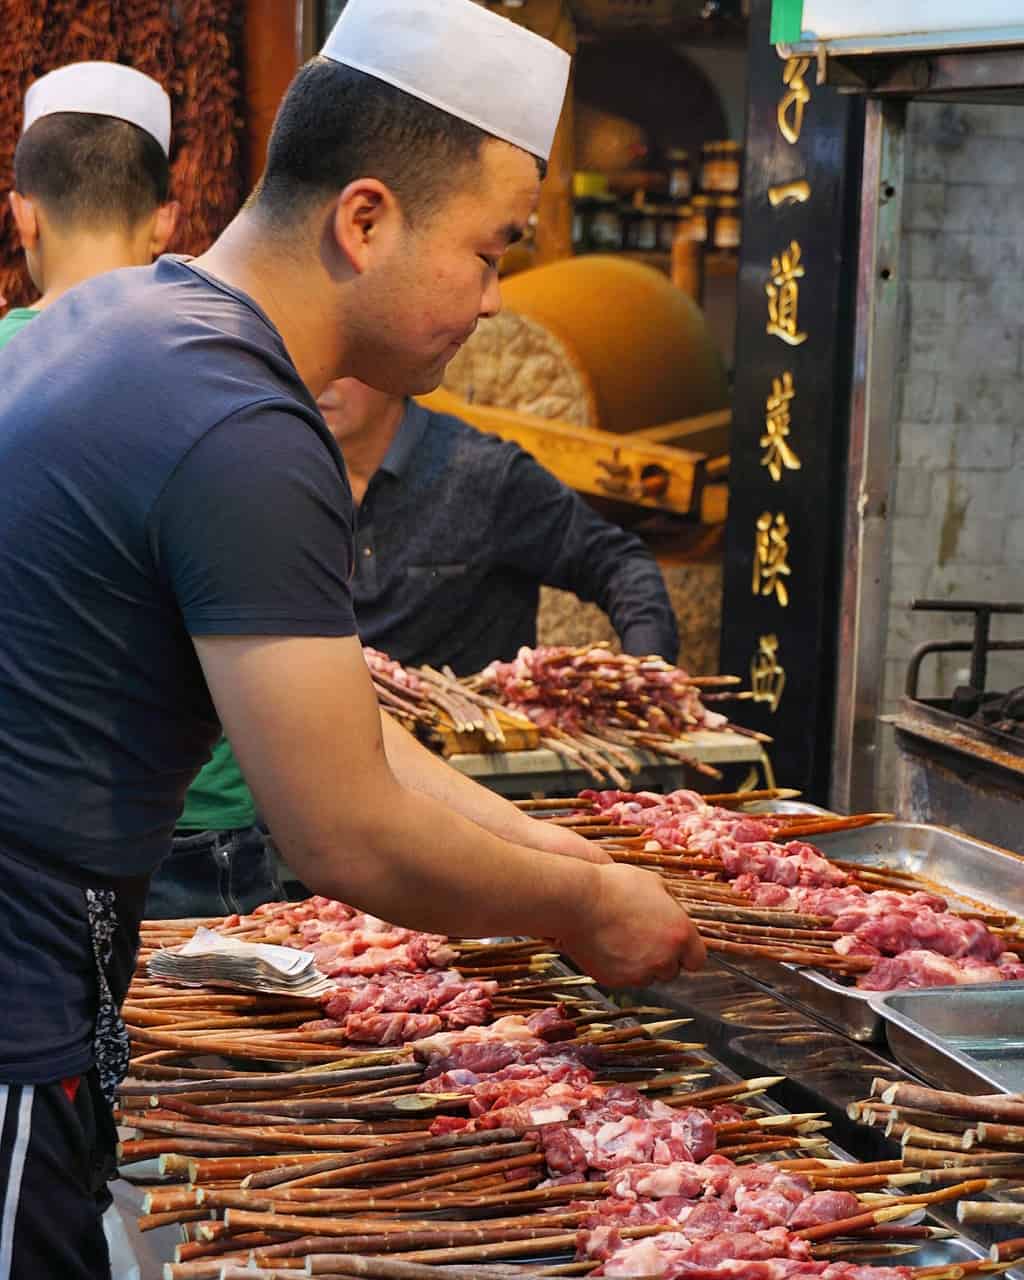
967	869
969	1039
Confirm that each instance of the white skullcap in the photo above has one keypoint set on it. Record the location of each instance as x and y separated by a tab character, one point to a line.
102	89
461	58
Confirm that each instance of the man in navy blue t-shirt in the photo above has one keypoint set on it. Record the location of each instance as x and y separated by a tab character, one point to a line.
175	549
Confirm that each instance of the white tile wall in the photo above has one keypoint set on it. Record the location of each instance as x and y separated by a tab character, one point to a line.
958	480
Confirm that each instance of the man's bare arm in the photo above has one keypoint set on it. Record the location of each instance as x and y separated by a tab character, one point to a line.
303	719
416	767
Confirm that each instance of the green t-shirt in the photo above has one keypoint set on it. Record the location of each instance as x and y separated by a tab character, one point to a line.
17	318
218	799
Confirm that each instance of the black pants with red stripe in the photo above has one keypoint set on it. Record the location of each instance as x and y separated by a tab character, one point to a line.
56	1153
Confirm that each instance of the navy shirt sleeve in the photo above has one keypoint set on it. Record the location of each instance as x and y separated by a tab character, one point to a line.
253	531
542	527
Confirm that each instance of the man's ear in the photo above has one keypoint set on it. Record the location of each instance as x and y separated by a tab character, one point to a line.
366	219
26	219
164	225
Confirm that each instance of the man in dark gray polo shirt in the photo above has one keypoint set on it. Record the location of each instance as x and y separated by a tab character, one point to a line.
457	531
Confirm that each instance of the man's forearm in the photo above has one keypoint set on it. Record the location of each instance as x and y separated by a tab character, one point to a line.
641	611
420	770
432	869
641	639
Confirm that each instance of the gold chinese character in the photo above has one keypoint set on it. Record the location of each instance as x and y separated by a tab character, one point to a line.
771	557
794	99
798	192
778	453
783	292
767	676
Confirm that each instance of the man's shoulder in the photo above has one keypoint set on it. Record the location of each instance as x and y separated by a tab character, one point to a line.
166	338
471	447
123	376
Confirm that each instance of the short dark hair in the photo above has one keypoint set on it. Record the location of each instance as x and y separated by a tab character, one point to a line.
336	124
91	171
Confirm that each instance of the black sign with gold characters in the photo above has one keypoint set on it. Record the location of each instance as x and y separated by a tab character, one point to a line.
793	364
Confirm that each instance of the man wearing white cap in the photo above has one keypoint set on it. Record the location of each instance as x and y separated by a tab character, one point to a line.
90	178
176	542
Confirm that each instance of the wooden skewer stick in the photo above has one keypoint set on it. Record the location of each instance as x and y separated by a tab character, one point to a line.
989	1211
808	939
959	1271
875	1111
1007	1250
392	1269
792	955
987	1108
723	1092
510	1249
913	1135
380	1169
841	1169
822	826
860	1222
310	1174
846	1250
923	1158
265	1082
731	799
151	1221
999	1135
224	1248
553	802
993	1172
932	1197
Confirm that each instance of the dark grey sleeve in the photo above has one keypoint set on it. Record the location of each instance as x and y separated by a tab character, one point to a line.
253	532
545	529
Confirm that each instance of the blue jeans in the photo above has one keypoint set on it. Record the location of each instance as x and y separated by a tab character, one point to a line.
215	873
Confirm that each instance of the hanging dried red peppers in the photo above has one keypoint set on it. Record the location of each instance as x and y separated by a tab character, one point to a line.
190	47
205	165
22	24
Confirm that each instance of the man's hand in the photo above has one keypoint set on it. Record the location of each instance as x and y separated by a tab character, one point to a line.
634	933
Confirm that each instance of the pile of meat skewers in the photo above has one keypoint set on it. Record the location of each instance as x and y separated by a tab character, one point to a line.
422	698
741	1220
546	1124
594	688
752	886
597	707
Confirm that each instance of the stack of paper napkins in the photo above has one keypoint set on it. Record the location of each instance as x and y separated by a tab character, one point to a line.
210	958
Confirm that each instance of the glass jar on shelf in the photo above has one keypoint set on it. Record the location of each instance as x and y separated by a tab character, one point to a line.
606	224
703	218
727	224
596	224
720	167
643	229
680	178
